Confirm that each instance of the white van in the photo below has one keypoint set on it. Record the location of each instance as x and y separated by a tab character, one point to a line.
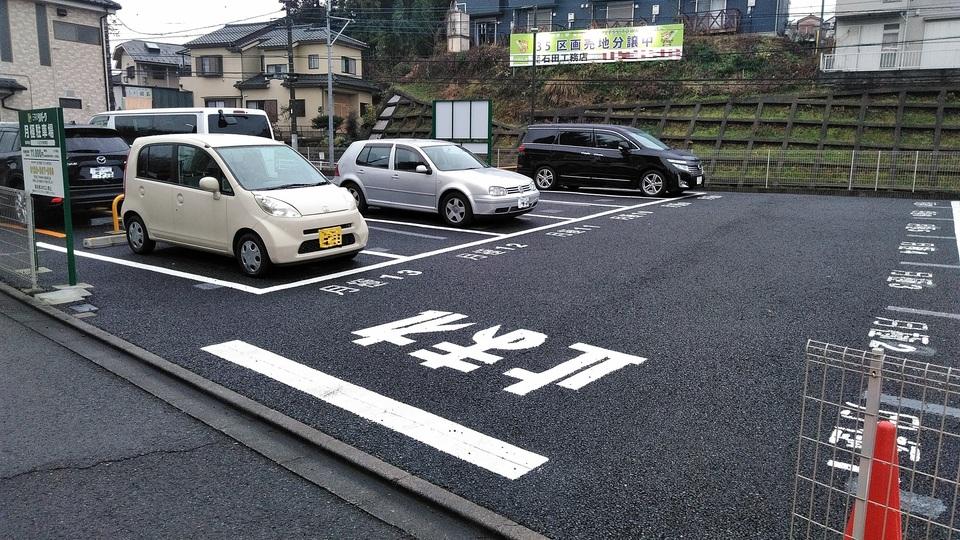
252	198
145	122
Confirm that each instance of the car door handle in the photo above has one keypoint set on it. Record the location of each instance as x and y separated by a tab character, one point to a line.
598	155
361	171
395	175
585	154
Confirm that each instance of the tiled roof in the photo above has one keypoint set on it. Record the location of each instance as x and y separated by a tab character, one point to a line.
166	53
311	81
231	34
303	33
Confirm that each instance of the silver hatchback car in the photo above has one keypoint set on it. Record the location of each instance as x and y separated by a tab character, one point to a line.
431	176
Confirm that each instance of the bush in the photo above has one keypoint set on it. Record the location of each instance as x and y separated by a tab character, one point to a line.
320	122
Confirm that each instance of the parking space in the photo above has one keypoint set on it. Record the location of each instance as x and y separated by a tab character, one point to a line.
608	365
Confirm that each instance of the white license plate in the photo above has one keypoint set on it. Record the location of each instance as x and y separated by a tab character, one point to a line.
523	202
101	172
699	180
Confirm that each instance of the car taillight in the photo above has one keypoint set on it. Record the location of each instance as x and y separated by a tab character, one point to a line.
123	173
336	170
521	149
56	200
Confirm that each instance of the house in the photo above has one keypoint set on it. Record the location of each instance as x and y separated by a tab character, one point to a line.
149	75
895	35
492	21
245	65
807	27
54	54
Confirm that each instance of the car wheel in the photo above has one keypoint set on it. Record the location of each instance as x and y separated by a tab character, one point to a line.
357	195
653	183
252	255
455	210
137	236
545	178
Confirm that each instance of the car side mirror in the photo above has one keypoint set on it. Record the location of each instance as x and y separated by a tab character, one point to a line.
422	169
211	184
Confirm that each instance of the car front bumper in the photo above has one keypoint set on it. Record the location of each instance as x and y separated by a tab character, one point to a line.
297	240
505	205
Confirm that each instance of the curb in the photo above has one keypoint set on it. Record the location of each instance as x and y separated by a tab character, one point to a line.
418	487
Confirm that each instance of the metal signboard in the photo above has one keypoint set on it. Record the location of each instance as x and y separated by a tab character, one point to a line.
468	122
627	44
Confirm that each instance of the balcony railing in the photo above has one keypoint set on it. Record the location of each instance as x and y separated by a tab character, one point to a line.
890	60
720	21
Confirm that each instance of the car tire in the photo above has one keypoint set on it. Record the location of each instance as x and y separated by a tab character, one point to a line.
455	210
545	178
357	195
653	183
252	255
137	236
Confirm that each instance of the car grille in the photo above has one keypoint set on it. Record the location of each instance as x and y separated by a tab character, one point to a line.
312	232
520	189
312	246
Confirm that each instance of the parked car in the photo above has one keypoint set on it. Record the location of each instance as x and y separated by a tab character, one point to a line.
96	157
599	155
146	122
432	176
255	199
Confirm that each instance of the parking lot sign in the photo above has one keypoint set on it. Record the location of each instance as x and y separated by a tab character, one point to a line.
44	154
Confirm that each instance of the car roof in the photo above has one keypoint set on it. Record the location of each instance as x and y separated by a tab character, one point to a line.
412	142
214	140
577	126
14	125
88	126
182	110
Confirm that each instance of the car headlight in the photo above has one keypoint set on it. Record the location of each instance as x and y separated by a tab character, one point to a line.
498	191
276	207
351	202
532	185
678	163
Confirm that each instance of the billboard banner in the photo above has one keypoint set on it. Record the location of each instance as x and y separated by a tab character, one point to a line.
627	44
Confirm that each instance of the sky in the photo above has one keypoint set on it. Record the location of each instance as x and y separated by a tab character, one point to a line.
179	21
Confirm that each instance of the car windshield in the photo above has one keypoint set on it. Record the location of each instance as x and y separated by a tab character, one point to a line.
239	124
274	166
449	157
646	140
95	141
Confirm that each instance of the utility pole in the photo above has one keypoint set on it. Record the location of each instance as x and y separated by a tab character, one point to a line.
287	5
820	25
330	107
533	77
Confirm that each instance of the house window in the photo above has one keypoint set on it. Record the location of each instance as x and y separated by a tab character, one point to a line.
220	102
349	65
131	72
487	33
210	66
268	106
891	37
71	103
43	35
313	61
620	12
6	45
158	73
77	33
276	68
542	19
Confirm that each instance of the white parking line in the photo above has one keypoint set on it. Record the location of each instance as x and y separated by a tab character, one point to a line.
930	236
955	205
455	439
423	226
548	217
406	233
572	203
152	268
924	312
931	264
382	254
639	197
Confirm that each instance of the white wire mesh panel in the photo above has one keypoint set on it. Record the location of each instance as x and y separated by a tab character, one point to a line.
922	400
16	262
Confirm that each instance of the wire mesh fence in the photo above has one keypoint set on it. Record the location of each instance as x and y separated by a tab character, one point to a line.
850	394
838	169
17	255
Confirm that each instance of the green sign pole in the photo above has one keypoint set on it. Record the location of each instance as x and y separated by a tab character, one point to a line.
44	151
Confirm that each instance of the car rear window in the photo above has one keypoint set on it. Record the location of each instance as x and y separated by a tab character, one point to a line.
132	126
239	124
95	141
576	138
540	136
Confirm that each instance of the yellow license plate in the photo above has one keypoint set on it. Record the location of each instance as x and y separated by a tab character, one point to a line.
331	237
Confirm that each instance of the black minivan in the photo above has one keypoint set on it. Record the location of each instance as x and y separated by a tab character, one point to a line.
600	155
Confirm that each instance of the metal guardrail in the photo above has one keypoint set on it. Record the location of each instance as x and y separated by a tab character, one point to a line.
841	169
849	398
17	252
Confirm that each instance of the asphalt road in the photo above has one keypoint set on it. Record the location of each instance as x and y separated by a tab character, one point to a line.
694	434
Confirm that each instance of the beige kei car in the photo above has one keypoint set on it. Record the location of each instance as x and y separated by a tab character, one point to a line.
252	198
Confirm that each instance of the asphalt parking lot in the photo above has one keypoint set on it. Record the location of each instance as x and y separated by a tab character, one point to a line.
608	365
